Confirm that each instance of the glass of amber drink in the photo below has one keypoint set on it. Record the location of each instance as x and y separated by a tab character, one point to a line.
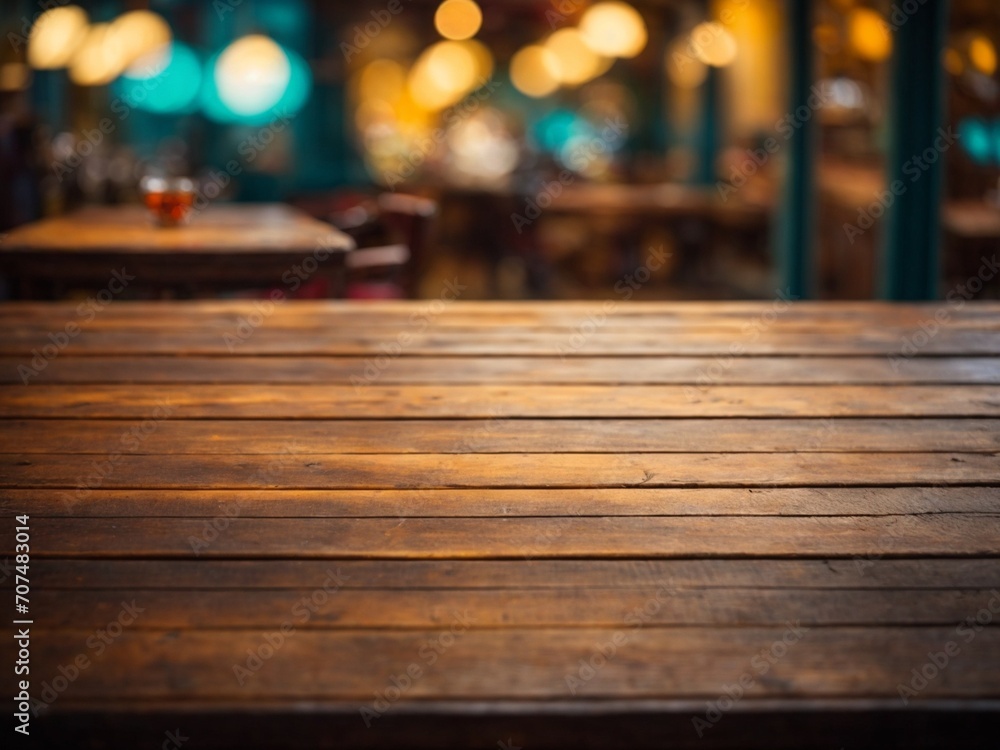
169	199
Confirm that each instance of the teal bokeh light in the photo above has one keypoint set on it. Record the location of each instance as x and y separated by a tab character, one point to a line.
174	90
974	135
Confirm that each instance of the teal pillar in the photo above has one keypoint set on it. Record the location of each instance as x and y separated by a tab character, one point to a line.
794	241
708	133
909	268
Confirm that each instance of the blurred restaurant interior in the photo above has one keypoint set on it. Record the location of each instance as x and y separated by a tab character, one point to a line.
532	149
535	517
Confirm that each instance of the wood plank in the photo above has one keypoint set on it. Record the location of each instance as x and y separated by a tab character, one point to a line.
292	470
499	436
942	535
437	503
486	402
501	664
330	607
528	312
866	572
524	342
699	371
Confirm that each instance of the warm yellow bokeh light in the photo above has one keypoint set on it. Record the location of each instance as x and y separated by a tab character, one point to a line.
869	35
381	80
576	63
532	71
614	29
55	36
98	60
983	55
458	19
251	74
442	75
483	57
142	36
713	44
684	69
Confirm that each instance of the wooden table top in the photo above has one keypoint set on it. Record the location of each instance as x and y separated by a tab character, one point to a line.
508	525
239	229
971	220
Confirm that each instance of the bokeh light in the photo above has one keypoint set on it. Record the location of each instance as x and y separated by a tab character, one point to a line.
684	70
140	34
614	29
98	60
482	149
174	89
289	101
983	55
576	63
55	37
252	74
713	44
532	71
381	80
974	135
869	35
442	75
458	19
483	57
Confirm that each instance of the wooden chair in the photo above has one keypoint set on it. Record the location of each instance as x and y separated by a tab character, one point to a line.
391	270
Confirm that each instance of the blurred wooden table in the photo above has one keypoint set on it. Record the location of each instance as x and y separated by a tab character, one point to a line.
971	220
506	526
225	245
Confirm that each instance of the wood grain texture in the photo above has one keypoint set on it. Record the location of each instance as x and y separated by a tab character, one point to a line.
507	503
364	401
617	436
526	483
693	371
